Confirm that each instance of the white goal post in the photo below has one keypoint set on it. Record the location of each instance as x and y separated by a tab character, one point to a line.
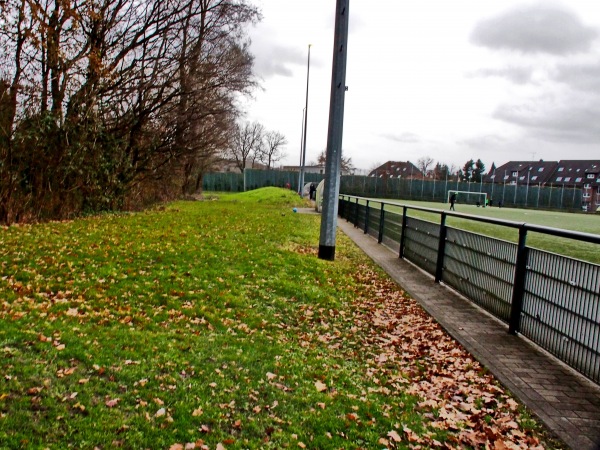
469	197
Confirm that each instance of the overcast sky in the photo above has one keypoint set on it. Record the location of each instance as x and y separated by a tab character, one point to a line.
497	80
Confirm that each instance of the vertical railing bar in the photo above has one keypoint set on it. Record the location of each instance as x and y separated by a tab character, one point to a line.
381	224
571	317
441	249
577	333
552	336
403	236
367	218
519	283
597	326
356	214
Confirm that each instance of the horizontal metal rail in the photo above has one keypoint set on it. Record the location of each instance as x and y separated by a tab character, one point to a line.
559	232
552	299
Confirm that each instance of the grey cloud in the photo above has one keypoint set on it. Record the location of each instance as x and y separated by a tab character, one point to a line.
516	75
539	28
488	141
275	60
581	77
405	138
574	123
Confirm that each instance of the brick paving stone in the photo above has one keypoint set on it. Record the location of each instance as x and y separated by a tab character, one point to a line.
566	402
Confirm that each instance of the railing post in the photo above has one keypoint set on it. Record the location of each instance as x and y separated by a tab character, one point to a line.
341	204
356	214
367	218
403	235
519	283
381	224
439	269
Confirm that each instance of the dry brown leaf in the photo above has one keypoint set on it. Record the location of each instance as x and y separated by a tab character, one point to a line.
112	403
394	436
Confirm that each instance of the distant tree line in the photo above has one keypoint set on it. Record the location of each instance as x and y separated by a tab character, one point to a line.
472	171
108	104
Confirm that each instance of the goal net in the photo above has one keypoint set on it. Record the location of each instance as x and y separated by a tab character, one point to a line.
469	198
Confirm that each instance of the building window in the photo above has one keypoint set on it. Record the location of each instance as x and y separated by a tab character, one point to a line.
541	169
586	186
560	169
533	178
559	179
567	179
506	177
515	174
578	179
591	176
522	178
586	195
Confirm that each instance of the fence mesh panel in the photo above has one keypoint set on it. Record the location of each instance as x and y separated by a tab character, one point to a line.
482	269
561	309
421	243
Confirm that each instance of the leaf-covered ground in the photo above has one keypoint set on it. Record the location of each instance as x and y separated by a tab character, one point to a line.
214	325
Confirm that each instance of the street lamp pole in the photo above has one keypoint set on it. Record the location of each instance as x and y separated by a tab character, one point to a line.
301	187
301	154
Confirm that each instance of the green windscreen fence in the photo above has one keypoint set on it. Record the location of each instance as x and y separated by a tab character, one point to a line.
511	195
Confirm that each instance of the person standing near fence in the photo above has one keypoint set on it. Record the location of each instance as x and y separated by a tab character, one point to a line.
452	201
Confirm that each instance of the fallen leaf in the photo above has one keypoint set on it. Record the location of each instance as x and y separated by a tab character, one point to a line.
161	412
320	386
112	403
394	436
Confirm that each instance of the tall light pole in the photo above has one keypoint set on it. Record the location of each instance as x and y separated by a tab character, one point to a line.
300	173
333	160
301	187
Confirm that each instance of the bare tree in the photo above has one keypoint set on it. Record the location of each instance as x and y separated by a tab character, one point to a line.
246	143
346	163
423	164
271	150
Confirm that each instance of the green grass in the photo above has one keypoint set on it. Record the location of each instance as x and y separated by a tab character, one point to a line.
586	223
215	323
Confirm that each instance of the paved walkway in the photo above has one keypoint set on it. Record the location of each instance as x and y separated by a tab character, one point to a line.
566	402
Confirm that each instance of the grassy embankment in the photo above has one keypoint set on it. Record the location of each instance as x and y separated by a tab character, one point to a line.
214	325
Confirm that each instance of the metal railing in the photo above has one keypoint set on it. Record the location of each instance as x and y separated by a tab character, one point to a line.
551	299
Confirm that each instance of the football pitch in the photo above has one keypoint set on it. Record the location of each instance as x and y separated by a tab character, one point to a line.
582	222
